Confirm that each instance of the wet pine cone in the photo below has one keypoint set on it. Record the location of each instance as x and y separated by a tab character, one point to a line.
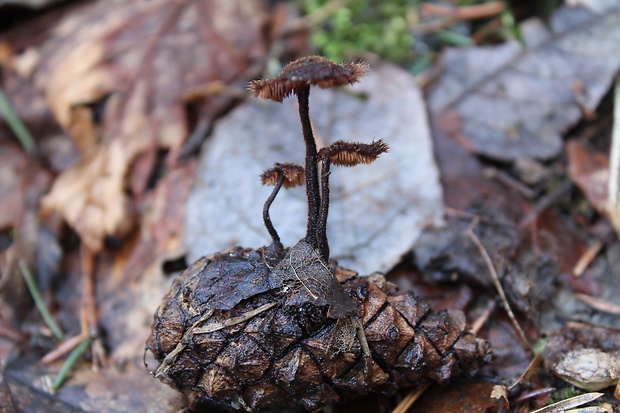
257	329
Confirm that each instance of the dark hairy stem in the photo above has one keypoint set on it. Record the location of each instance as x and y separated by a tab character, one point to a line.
321	232
312	174
266	219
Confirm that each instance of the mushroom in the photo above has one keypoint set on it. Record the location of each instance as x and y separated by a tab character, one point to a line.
296	78
341	153
288	175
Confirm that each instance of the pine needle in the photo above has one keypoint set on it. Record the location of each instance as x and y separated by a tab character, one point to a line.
39	302
15	124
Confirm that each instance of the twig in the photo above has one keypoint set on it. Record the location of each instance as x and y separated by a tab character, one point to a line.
70	362
450	15
38	300
545	202
533	366
487	260
10	333
414	395
587	257
477	11
15	124
598	304
534	394
64	348
171	357
477	325
210	328
89	303
510	182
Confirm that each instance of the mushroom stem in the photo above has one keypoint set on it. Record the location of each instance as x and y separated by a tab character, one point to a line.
266	218
321	232
312	174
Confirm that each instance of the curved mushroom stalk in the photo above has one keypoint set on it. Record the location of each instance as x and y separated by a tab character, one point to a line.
288	175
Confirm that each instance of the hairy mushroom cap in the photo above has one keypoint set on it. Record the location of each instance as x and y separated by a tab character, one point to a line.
294	175
342	153
307	71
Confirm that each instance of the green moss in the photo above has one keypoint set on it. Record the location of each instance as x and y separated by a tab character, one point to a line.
371	25
565	393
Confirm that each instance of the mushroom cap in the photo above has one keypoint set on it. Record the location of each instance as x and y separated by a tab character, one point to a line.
304	72
343	153
294	175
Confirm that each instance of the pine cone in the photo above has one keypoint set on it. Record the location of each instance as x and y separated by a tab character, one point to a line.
252	329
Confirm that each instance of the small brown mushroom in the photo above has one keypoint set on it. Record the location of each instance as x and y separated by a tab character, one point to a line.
341	153
296	78
288	175
292	175
304	72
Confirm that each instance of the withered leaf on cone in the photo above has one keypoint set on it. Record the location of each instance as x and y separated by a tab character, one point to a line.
312	281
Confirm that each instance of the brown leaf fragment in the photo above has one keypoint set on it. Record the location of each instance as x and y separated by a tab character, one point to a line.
515	101
589	169
21	184
473	397
91	196
312	281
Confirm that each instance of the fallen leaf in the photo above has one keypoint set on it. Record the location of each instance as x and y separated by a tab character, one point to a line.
377	211
144	58
22	182
515	100
161	225
588	368
477	397
589	169
91	195
575	337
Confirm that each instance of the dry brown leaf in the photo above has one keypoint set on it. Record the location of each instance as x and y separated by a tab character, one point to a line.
588	368
515	100
585	355
589	169
145	57
160	237
21	184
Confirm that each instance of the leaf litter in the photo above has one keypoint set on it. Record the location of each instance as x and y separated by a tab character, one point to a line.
117	55
545	236
515	100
